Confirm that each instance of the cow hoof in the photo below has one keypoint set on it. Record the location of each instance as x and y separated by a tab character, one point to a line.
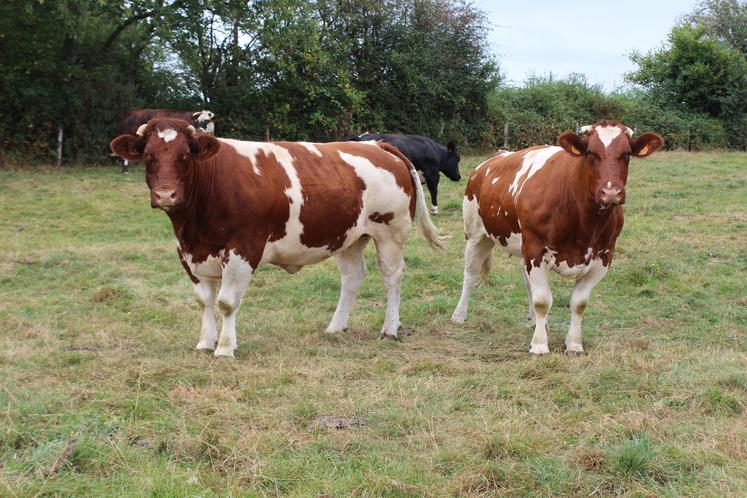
337	331
223	352
404	330
574	354
205	346
540	350
389	335
459	318
434	210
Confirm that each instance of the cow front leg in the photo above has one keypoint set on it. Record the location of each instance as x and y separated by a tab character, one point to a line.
352	272
539	286
476	254
579	298
236	275
432	184
205	292
392	266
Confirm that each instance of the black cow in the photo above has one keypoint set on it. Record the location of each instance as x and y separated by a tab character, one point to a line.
428	156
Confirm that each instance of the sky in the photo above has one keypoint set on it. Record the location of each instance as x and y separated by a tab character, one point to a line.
570	36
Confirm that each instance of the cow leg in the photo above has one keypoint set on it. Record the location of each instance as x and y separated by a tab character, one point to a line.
431	182
125	166
476	252
531	317
579	298
236	275
392	266
352	272
539	287
205	292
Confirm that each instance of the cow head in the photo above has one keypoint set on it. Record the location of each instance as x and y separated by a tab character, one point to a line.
204	121
171	149
450	164
606	149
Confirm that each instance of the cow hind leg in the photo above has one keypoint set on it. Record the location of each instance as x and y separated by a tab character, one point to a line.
205	292
237	273
352	272
531	316
392	265
476	255
579	298
539	287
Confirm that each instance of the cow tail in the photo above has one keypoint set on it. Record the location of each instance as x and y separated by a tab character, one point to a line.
430	232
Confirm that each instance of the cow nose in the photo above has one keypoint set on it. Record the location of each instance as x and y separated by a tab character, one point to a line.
164	197
612	194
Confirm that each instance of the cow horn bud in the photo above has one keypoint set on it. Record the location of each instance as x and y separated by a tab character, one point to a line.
141	130
191	129
586	129
629	131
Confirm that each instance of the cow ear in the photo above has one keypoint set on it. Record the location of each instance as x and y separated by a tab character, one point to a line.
451	146
646	144
573	144
203	146
128	147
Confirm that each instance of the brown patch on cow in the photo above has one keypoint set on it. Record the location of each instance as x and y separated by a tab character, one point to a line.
332	197
381	218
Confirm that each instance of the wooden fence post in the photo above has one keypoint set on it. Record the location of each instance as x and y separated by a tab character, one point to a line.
59	147
505	136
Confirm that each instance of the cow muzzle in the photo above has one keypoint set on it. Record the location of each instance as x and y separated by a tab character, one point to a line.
610	196
164	198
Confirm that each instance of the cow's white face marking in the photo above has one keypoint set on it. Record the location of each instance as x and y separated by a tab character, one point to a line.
312	148
532	162
167	135
607	134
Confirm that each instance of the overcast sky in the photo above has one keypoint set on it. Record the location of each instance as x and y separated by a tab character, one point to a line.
589	37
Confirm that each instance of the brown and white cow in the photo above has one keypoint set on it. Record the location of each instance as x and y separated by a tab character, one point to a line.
135	118
559	208
236	205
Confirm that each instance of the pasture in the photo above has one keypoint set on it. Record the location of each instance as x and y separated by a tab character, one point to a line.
102	393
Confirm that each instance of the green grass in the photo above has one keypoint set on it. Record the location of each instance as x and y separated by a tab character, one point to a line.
102	395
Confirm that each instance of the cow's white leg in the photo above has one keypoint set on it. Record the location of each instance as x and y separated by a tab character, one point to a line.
392	266
579	298
530	314
476	252
236	275
205	292
352	272
539	285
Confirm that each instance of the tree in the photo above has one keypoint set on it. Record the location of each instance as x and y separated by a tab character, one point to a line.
700	74
723	20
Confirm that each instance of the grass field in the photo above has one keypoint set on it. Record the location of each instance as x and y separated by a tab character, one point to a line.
102	394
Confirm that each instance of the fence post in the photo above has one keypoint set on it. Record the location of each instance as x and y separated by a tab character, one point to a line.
505	136
59	147
267	133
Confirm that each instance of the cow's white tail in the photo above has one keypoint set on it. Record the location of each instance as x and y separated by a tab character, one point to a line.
430	232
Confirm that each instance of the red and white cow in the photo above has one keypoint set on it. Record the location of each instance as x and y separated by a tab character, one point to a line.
135	118
236	205
559	208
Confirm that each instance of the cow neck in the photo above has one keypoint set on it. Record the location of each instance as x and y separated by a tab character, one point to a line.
205	192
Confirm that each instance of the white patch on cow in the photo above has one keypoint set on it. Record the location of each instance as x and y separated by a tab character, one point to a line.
167	135
607	134
532	162
312	148
210	128
513	244
249	150
210	268
495	180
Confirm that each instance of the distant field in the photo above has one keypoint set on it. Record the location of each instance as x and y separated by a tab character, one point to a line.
102	394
